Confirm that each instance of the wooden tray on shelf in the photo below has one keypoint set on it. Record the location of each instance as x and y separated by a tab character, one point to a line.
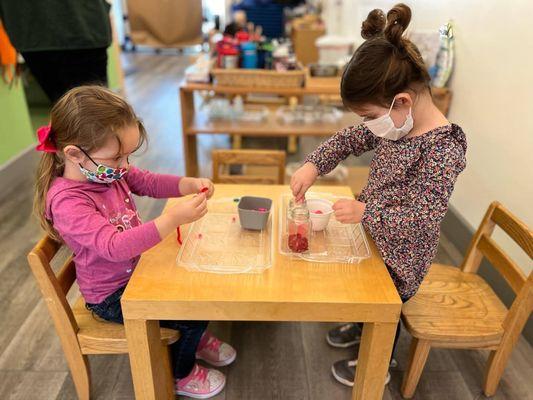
258	78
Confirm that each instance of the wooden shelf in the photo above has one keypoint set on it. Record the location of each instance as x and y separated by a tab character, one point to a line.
191	87
271	126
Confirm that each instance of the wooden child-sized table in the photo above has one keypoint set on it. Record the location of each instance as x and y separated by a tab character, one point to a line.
291	290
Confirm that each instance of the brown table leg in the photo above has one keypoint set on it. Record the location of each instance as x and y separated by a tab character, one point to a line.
373	360
149	367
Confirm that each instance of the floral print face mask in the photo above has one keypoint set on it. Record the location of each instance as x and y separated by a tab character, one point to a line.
103	173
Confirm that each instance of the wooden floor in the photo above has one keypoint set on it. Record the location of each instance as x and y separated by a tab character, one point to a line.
276	360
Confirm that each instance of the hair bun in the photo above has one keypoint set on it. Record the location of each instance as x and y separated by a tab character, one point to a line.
374	24
398	19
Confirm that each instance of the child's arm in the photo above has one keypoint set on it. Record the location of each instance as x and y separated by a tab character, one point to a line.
162	186
158	186
76	218
354	140
426	198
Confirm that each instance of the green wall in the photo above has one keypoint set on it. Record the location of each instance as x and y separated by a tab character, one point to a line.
16	132
17	124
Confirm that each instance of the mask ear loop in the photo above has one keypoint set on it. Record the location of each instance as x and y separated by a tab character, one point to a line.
88	156
392	104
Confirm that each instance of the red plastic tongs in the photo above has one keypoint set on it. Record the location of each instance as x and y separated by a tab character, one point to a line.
178	231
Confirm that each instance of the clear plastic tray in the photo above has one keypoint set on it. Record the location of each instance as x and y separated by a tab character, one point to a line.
217	243
344	243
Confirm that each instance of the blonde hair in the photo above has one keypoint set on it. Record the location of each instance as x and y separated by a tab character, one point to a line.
85	116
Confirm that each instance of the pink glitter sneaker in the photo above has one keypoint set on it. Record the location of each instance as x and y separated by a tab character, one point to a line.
201	383
214	351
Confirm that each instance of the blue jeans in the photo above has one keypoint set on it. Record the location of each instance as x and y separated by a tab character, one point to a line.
183	352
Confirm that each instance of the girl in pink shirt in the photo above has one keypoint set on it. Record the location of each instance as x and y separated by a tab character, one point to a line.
84	197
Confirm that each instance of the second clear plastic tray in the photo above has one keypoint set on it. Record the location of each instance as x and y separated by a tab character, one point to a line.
344	243
217	243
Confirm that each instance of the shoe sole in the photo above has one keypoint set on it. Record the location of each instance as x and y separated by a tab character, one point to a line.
202	396
350	384
342	345
219	363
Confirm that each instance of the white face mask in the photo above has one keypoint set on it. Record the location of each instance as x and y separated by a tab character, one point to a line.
384	126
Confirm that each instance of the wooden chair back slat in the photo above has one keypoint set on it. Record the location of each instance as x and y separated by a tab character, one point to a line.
515	228
247	179
510	271
224	158
67	275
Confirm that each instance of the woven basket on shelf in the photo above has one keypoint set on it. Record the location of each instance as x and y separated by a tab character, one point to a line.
258	78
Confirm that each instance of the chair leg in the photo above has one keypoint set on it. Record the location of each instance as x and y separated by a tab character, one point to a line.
167	364
418	355
292	145
496	365
237	142
81	375
514	324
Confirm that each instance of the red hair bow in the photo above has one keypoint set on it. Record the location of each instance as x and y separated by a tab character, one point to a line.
45	140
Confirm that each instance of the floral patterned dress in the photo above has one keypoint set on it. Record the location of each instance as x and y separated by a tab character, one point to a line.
410	183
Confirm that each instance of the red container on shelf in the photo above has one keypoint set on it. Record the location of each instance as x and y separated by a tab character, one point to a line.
228	53
242	36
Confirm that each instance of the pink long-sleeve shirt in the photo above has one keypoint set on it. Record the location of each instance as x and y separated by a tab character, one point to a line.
101	225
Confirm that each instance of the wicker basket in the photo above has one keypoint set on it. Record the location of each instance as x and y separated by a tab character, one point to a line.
258	78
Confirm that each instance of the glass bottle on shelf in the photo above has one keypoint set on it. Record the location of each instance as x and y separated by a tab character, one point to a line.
299	226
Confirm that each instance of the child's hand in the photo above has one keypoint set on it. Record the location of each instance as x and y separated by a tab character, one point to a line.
190	210
302	180
183	213
195	185
349	211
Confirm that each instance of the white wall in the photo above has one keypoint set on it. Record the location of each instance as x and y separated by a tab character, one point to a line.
493	101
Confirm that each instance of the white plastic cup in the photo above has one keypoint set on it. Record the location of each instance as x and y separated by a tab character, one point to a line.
320	211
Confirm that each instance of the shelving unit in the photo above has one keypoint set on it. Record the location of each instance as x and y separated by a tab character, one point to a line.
196	122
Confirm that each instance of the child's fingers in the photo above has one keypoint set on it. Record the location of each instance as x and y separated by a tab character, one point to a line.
198	199
296	188
195	201
301	193
203	202
340	204
342	213
342	218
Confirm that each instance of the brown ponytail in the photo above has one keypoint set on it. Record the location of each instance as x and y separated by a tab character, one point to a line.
86	117
386	64
49	167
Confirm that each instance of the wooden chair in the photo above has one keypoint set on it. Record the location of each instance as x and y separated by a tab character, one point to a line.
80	333
456	308
251	160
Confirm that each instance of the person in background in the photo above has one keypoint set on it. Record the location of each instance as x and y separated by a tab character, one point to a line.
238	23
63	42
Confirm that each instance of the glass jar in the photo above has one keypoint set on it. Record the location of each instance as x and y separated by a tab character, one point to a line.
299	226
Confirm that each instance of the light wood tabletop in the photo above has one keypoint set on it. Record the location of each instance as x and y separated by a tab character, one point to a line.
291	290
